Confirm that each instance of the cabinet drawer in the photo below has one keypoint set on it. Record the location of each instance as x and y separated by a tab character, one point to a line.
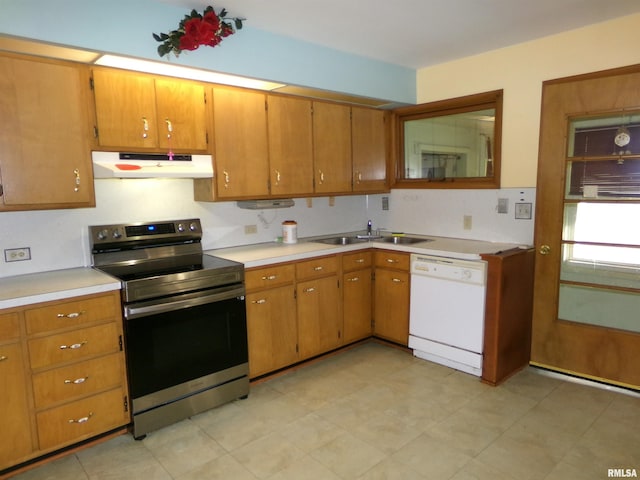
77	380
388	259
82	419
73	313
316	267
74	346
269	276
9	326
355	261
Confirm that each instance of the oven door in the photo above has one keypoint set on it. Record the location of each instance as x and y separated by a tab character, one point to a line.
181	345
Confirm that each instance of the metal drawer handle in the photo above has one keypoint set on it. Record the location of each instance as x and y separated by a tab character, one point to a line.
309	290
73	346
145	127
391	260
259	302
354	279
3	358
82	419
317	269
76	172
70	315
396	280
269	277
360	260
77	381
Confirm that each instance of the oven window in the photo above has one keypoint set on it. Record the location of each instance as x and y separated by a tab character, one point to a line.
164	350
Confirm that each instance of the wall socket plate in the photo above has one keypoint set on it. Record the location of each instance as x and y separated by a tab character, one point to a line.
17	254
523	211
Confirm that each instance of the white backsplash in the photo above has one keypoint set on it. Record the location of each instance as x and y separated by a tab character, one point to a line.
58	238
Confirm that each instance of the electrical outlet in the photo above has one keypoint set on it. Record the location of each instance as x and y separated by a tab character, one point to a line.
385	203
17	254
467	222
250	229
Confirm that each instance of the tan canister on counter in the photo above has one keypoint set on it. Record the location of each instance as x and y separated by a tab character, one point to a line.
289	231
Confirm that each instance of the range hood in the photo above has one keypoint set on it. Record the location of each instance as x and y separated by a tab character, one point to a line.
151	165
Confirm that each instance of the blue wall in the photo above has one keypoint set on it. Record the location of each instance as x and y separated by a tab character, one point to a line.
125	27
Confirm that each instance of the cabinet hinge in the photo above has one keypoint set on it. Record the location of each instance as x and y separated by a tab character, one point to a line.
1	190
91	83
373	276
120	342
126	404
95	131
205	97
206	137
297	349
295	294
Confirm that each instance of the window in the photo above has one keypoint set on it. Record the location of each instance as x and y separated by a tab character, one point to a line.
450	144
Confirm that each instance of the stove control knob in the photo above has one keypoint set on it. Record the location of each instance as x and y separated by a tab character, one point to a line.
103	234
193	227
117	233
180	227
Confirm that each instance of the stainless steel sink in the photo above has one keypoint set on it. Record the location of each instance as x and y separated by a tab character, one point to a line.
341	240
404	240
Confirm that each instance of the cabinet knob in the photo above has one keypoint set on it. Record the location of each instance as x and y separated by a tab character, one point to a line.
545	250
391	260
259	302
360	260
269	277
396	280
317	269
309	290
73	346
77	381
353	279
3	358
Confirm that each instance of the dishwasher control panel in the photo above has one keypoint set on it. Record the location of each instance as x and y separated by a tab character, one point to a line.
466	271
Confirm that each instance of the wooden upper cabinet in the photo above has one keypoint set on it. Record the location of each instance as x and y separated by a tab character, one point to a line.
139	111
182	116
241	153
331	147
369	150
45	154
290	145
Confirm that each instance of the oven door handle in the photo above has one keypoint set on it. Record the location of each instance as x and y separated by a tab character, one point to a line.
184	301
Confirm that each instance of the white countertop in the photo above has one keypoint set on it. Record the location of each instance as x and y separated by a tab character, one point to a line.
32	288
267	253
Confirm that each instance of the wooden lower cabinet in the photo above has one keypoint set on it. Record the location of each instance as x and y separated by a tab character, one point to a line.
319	316
391	296
15	419
63	376
357	295
272	329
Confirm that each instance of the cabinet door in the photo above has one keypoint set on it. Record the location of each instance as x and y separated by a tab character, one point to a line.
369	150
44	139
290	145
182	117
356	291
125	109
271	329
14	420
331	147
319	316
391	308
240	139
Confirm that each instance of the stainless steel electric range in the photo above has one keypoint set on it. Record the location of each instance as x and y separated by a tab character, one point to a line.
184	319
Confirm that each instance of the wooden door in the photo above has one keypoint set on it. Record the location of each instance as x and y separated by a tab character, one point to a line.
356	291
44	139
391	308
241	155
369	140
125	109
14	421
578	322
319	316
271	329
290	145
331	148
182	116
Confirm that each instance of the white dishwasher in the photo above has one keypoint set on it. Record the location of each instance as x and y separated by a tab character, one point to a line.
446	321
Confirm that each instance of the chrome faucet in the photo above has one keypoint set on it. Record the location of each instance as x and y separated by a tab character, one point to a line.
369	228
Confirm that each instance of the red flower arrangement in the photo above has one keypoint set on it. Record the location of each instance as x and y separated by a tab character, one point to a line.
195	30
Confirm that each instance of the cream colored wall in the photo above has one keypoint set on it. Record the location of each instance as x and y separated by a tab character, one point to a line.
520	70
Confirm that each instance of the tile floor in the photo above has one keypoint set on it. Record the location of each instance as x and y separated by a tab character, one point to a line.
376	412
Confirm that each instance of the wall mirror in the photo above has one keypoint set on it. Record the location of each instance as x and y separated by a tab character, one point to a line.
450	143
